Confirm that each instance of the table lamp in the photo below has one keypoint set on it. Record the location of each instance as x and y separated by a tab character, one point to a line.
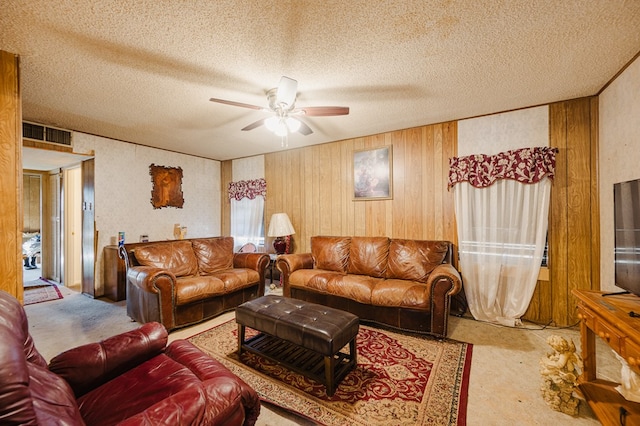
279	227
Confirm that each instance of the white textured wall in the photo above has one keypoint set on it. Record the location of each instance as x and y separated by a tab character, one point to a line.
619	156
496	133
248	168
123	193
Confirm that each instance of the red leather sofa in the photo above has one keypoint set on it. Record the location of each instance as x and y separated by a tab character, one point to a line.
132	378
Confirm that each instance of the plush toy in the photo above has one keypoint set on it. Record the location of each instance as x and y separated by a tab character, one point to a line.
560	370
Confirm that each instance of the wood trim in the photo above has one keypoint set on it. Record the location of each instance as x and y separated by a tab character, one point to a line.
574	224
226	176
11	214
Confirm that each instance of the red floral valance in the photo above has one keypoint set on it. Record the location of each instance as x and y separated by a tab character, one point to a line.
526	165
248	189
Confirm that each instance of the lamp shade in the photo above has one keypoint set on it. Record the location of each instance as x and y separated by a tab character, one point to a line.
280	226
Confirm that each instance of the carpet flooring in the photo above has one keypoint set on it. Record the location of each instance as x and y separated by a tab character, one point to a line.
400	379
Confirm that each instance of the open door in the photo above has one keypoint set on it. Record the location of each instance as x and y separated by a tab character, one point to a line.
72	229
88	227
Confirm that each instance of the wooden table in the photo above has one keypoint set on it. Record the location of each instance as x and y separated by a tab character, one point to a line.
608	317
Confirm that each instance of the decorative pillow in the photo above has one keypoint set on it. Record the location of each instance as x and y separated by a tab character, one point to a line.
368	256
330	253
214	254
175	256
414	260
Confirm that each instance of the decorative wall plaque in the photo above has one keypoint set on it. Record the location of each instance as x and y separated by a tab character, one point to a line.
167	186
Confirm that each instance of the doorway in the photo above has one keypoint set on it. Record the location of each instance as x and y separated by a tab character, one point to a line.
32	228
65	187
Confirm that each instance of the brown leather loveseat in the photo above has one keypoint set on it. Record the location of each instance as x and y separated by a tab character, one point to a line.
132	378
182	282
405	284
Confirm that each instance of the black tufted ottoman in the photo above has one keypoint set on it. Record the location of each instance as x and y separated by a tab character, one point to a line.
302	336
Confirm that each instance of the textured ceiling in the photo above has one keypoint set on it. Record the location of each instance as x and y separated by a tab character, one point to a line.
144	72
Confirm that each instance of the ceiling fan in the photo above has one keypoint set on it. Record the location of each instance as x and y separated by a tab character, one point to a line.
282	104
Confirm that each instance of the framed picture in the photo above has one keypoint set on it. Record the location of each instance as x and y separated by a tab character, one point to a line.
372	174
167	186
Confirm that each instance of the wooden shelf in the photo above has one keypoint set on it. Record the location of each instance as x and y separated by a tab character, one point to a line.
608	405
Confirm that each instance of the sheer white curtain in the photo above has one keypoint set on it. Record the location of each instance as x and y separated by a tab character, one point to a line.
247	211
502	206
247	221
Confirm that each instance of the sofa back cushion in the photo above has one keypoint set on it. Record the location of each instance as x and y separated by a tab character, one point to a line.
330	253
368	256
414	260
214	254
175	256
29	392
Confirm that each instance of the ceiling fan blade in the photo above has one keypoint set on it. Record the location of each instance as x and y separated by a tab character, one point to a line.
323	111
304	129
238	104
254	125
287	91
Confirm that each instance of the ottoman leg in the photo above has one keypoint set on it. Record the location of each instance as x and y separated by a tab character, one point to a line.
241	330
353	352
329	367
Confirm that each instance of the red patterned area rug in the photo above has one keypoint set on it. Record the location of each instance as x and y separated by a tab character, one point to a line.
39	291
400	379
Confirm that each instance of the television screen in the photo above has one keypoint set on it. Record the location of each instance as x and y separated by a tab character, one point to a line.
626	202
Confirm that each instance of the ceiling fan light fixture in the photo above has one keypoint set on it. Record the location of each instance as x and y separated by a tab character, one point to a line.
292	124
271	123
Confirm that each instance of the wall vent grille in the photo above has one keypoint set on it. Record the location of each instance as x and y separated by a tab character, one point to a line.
38	132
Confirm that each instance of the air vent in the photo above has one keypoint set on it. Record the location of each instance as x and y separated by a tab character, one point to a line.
33	131
41	133
62	137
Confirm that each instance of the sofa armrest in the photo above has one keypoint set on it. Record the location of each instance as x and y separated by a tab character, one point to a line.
255	261
288	263
444	282
151	283
446	271
89	366
145	277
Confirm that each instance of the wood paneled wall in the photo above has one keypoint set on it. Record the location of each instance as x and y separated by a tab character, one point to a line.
574	218
10	176
314	186
226	176
31	201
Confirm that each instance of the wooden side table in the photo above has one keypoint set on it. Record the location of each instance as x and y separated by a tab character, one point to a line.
608	317
272	262
115	274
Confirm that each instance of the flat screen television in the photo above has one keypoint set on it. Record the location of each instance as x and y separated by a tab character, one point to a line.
626	202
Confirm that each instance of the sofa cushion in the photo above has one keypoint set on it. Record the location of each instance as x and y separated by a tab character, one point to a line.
52	398
330	253
198	288
316	279
214	254
237	278
414	260
176	256
354	287
169	378
368	256
402	293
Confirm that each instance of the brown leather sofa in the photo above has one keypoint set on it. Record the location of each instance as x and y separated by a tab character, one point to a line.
407	284
182	282
132	378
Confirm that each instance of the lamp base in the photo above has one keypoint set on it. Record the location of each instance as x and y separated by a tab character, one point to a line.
280	245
